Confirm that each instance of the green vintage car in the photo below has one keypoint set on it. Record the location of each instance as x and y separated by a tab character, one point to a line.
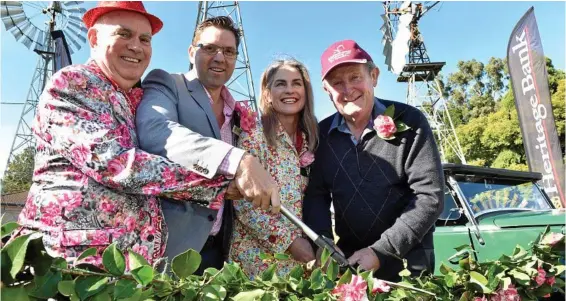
492	210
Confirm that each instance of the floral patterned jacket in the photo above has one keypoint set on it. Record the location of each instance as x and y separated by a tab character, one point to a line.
92	185
257	231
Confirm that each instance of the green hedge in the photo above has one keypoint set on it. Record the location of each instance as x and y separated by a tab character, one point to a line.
29	273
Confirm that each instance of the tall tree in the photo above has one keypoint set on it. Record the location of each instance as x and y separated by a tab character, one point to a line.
19	172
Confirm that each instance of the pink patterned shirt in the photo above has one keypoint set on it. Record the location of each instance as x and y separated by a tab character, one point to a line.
230	163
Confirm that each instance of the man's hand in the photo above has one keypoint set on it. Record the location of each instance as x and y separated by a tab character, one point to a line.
301	250
256	185
232	192
366	259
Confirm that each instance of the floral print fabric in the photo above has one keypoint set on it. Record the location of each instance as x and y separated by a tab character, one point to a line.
92	185
257	231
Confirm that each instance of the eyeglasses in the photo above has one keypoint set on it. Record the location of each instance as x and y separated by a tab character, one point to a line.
211	49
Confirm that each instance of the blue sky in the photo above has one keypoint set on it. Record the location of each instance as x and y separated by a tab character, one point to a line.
453	31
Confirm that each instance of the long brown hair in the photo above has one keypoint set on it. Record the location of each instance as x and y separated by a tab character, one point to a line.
307	121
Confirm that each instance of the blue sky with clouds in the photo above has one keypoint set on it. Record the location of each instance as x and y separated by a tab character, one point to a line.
453	31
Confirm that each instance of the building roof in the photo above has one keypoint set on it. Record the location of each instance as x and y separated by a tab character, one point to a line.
14	199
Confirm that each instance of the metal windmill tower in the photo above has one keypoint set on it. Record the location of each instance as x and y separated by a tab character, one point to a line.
32	24
241	84
402	38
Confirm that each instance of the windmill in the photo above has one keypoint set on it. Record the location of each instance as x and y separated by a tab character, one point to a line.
401	39
241	83
35	24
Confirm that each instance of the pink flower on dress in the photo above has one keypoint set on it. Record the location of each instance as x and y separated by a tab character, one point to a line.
77	79
81	154
60	82
384	126
552	238
106	118
540	279
306	159
379	286
107	206
130	223
247	116
353	291
115	167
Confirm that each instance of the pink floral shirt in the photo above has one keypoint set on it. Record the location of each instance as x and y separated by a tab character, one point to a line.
92	185
257	231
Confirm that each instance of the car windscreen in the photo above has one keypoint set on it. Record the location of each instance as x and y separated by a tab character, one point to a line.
488	195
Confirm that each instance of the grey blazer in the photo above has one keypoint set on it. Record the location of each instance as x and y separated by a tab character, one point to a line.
181	126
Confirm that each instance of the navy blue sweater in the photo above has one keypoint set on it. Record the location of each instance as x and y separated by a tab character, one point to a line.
387	194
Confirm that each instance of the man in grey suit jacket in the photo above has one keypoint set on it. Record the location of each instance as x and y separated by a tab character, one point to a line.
188	119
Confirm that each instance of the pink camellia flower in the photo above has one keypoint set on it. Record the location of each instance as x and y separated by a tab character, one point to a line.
353	291
482	298
379	286
384	126
551	239
508	294
247	116
540	279
306	159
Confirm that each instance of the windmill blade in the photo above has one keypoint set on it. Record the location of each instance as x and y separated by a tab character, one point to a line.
74	10
11	11
40	42
78	29
72	3
70	38
13	21
401	43
11	3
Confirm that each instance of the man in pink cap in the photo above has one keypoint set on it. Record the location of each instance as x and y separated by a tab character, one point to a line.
92	185
385	180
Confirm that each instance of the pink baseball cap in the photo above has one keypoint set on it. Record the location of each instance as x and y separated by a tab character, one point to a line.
341	52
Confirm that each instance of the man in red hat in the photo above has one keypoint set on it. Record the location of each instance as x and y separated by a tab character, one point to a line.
92	185
378	164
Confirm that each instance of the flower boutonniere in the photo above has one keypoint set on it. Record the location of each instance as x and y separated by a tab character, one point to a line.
245	118
305	161
386	127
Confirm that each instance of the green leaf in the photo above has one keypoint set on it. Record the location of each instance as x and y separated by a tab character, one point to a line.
450	279
136	296
401	127
519	253
480	280
390	111
405	273
8	228
136	260
87	286
113	260
268	274
124	288
14	293
316	279
444	269
324	256
249	295
297	272
213	293
87	253
332	270
521	278
186	263
66	288
103	296
346	278
15	254
46	285
281	256
143	275
265	256
190	294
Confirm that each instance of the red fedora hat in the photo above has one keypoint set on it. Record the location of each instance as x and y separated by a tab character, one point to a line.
104	7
